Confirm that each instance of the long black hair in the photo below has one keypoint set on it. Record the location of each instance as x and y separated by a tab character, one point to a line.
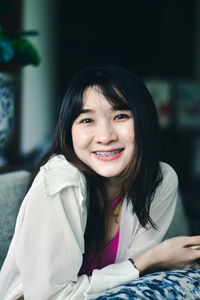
140	179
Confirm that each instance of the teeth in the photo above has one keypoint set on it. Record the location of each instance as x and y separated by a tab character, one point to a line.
108	153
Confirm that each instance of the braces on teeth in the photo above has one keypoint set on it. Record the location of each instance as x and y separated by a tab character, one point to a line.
108	153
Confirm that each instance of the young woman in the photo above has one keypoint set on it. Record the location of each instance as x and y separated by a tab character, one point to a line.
102	202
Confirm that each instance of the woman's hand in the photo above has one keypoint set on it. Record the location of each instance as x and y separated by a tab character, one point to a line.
170	254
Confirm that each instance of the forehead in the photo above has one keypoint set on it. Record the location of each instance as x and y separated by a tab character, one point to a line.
93	96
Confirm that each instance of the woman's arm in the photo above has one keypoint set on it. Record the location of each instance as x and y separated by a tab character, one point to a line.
173	253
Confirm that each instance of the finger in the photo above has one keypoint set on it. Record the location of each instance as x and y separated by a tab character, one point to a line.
196	247
193	255
192	241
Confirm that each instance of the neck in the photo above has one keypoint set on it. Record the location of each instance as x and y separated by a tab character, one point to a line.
113	187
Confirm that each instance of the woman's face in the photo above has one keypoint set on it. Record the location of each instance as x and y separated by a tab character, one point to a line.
103	137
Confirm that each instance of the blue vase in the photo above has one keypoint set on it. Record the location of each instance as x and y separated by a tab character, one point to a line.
7	108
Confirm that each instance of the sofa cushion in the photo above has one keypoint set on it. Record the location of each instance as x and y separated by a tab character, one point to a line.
13	186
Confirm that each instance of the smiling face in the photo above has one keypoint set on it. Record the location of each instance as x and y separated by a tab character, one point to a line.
103	135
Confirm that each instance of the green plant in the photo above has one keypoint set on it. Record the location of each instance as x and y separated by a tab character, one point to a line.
18	49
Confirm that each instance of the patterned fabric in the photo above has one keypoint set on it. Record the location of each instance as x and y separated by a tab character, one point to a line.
177	284
7	100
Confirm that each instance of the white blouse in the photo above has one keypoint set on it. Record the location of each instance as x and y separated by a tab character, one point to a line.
46	251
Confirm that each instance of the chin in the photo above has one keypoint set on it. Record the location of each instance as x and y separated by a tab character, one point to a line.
109	174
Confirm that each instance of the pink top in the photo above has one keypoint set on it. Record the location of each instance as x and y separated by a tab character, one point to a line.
109	253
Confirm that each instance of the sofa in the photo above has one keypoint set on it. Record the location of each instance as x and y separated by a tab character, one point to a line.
13	186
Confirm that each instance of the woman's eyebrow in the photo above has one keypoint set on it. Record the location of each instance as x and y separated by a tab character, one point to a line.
84	111
115	108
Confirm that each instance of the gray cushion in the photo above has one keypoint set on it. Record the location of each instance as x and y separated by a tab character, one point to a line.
13	187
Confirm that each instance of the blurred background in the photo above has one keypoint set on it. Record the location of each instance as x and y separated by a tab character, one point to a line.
158	40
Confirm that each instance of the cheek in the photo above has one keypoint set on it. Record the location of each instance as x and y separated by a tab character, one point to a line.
128	133
80	138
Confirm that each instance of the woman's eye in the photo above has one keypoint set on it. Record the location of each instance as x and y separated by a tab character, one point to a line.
121	116
87	120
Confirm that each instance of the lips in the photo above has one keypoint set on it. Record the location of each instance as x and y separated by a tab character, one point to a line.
108	155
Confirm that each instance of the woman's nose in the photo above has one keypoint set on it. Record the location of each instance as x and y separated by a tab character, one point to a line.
106	134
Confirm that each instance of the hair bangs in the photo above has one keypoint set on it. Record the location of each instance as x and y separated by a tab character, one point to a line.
115	96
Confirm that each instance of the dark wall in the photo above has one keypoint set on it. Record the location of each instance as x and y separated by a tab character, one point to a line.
153	38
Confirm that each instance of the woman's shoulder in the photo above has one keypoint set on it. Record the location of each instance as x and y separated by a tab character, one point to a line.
58	173
59	161
169	175
167	189
169	182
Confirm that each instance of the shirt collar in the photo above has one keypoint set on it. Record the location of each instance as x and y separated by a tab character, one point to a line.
58	174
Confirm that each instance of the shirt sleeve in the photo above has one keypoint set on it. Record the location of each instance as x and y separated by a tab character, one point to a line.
50	245
161	212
